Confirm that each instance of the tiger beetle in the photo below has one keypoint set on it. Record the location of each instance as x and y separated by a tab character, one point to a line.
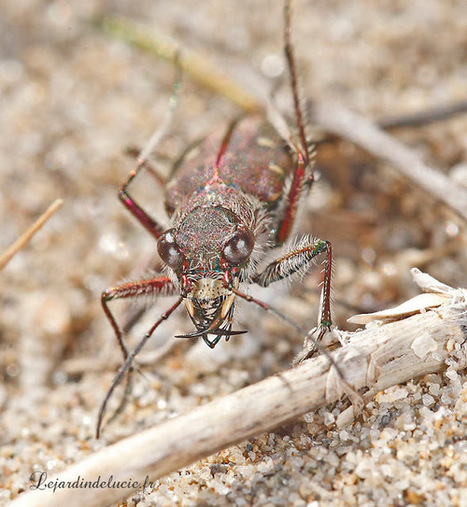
230	198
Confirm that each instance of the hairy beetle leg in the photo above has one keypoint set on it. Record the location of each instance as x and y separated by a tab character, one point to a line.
299	260
152	287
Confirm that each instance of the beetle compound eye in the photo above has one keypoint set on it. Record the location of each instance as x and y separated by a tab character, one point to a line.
239	247
169	251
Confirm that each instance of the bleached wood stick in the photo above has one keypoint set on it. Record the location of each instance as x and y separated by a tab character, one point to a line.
399	348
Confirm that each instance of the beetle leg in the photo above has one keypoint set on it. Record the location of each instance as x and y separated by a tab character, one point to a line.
155	228
299	260
287	220
289	53
303	174
309	336
129	290
136	153
137	211
152	287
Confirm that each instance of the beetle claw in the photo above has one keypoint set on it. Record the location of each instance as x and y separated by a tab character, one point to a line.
217	332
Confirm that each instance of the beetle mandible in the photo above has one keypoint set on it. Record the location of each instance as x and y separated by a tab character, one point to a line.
230	198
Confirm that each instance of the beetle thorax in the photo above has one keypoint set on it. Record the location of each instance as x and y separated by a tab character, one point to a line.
203	233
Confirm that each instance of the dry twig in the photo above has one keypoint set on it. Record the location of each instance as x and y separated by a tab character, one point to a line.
190	62
374	140
434	114
23	240
417	338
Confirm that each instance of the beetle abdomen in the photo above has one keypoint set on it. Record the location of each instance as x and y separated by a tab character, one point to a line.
256	161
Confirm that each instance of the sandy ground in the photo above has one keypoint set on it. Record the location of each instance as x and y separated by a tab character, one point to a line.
72	98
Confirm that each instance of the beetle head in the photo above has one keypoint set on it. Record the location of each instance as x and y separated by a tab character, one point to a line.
209	251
